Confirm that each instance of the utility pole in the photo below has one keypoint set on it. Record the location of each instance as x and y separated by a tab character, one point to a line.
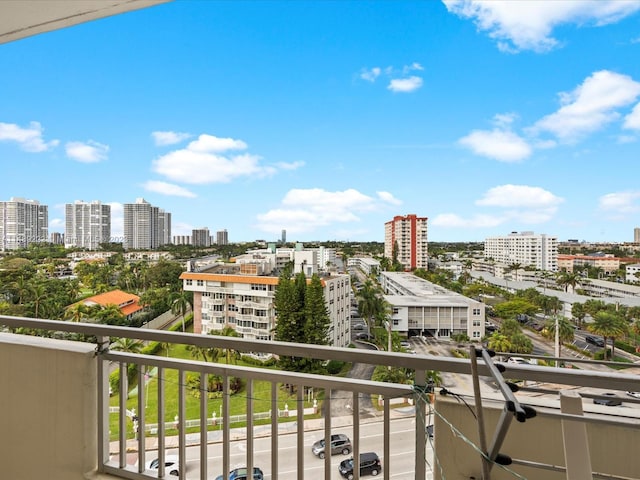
557	340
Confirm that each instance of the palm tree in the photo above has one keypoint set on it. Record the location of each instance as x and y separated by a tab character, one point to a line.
181	304
568	279
227	331
127	345
38	295
608	325
368	303
499	342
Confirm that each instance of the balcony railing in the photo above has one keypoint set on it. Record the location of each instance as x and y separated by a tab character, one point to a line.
190	433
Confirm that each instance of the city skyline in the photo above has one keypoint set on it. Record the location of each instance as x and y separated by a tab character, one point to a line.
326	119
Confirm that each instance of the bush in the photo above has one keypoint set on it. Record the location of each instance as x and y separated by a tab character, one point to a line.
334	367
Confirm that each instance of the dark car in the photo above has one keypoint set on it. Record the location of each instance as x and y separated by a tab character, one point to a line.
339	444
358	326
612	400
364	336
241	474
369	465
592	339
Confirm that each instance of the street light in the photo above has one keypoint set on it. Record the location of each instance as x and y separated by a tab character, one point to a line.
557	341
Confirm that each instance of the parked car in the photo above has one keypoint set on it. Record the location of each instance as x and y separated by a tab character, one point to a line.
241	474
358	326
340	443
634	394
171	465
592	339
612	400
369	465
518	361
364	336
405	344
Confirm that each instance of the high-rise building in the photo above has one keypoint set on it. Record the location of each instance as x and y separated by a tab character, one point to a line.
23	222
284	236
57	238
87	224
524	248
201	237
222	237
145	226
636	235
405	239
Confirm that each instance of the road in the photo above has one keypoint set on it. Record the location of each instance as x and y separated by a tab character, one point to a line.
401	461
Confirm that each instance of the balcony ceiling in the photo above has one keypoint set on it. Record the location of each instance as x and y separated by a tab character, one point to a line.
24	18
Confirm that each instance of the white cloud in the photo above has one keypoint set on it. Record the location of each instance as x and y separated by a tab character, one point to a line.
405	85
210	143
502	145
181	228
519	196
528	24
389	198
370	75
591	106
306	210
519	203
56	224
87	152
632	121
451	220
620	202
167	189
414	66
503	120
29	139
289	166
169	138
203	162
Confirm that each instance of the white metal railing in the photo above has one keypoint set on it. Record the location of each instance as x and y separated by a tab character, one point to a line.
357	390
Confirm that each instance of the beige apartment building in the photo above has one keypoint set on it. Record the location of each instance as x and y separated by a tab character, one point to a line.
241	296
406	238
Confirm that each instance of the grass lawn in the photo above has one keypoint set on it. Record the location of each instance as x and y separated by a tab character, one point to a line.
237	406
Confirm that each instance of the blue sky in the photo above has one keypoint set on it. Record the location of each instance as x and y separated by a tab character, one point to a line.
328	118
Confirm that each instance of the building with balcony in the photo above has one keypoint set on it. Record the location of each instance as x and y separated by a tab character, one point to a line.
527	249
241	295
423	308
87	224
405	239
222	237
145	227
201	237
23	222
370	266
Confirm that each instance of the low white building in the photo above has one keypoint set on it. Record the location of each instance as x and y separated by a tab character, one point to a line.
423	308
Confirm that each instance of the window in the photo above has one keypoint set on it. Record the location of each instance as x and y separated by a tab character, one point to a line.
200	283
189	282
476	311
476	323
258	286
476	334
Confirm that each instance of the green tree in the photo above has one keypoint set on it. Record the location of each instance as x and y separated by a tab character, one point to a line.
608	325
499	342
578	312
515	307
568	279
229	353
181	303
128	345
368	303
565	330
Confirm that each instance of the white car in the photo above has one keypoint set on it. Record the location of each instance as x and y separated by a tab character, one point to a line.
634	394
518	361
171	465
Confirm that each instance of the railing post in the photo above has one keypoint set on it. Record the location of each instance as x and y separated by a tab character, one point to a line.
103	402
421	427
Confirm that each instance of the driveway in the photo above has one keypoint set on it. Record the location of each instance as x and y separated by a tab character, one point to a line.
341	400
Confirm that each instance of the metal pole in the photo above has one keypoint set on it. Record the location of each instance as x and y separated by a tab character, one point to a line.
479	413
557	340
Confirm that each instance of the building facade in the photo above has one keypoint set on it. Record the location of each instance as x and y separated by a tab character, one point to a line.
241	296
23	222
405	238
525	248
145	227
636	235
87	224
201	237
222	237
420	307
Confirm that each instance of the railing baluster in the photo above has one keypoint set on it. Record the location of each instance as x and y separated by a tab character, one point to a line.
122	416
300	430
204	430
386	437
274	430
226	430
356	434
421	427
161	415
182	423
327	433
249	435
139	423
